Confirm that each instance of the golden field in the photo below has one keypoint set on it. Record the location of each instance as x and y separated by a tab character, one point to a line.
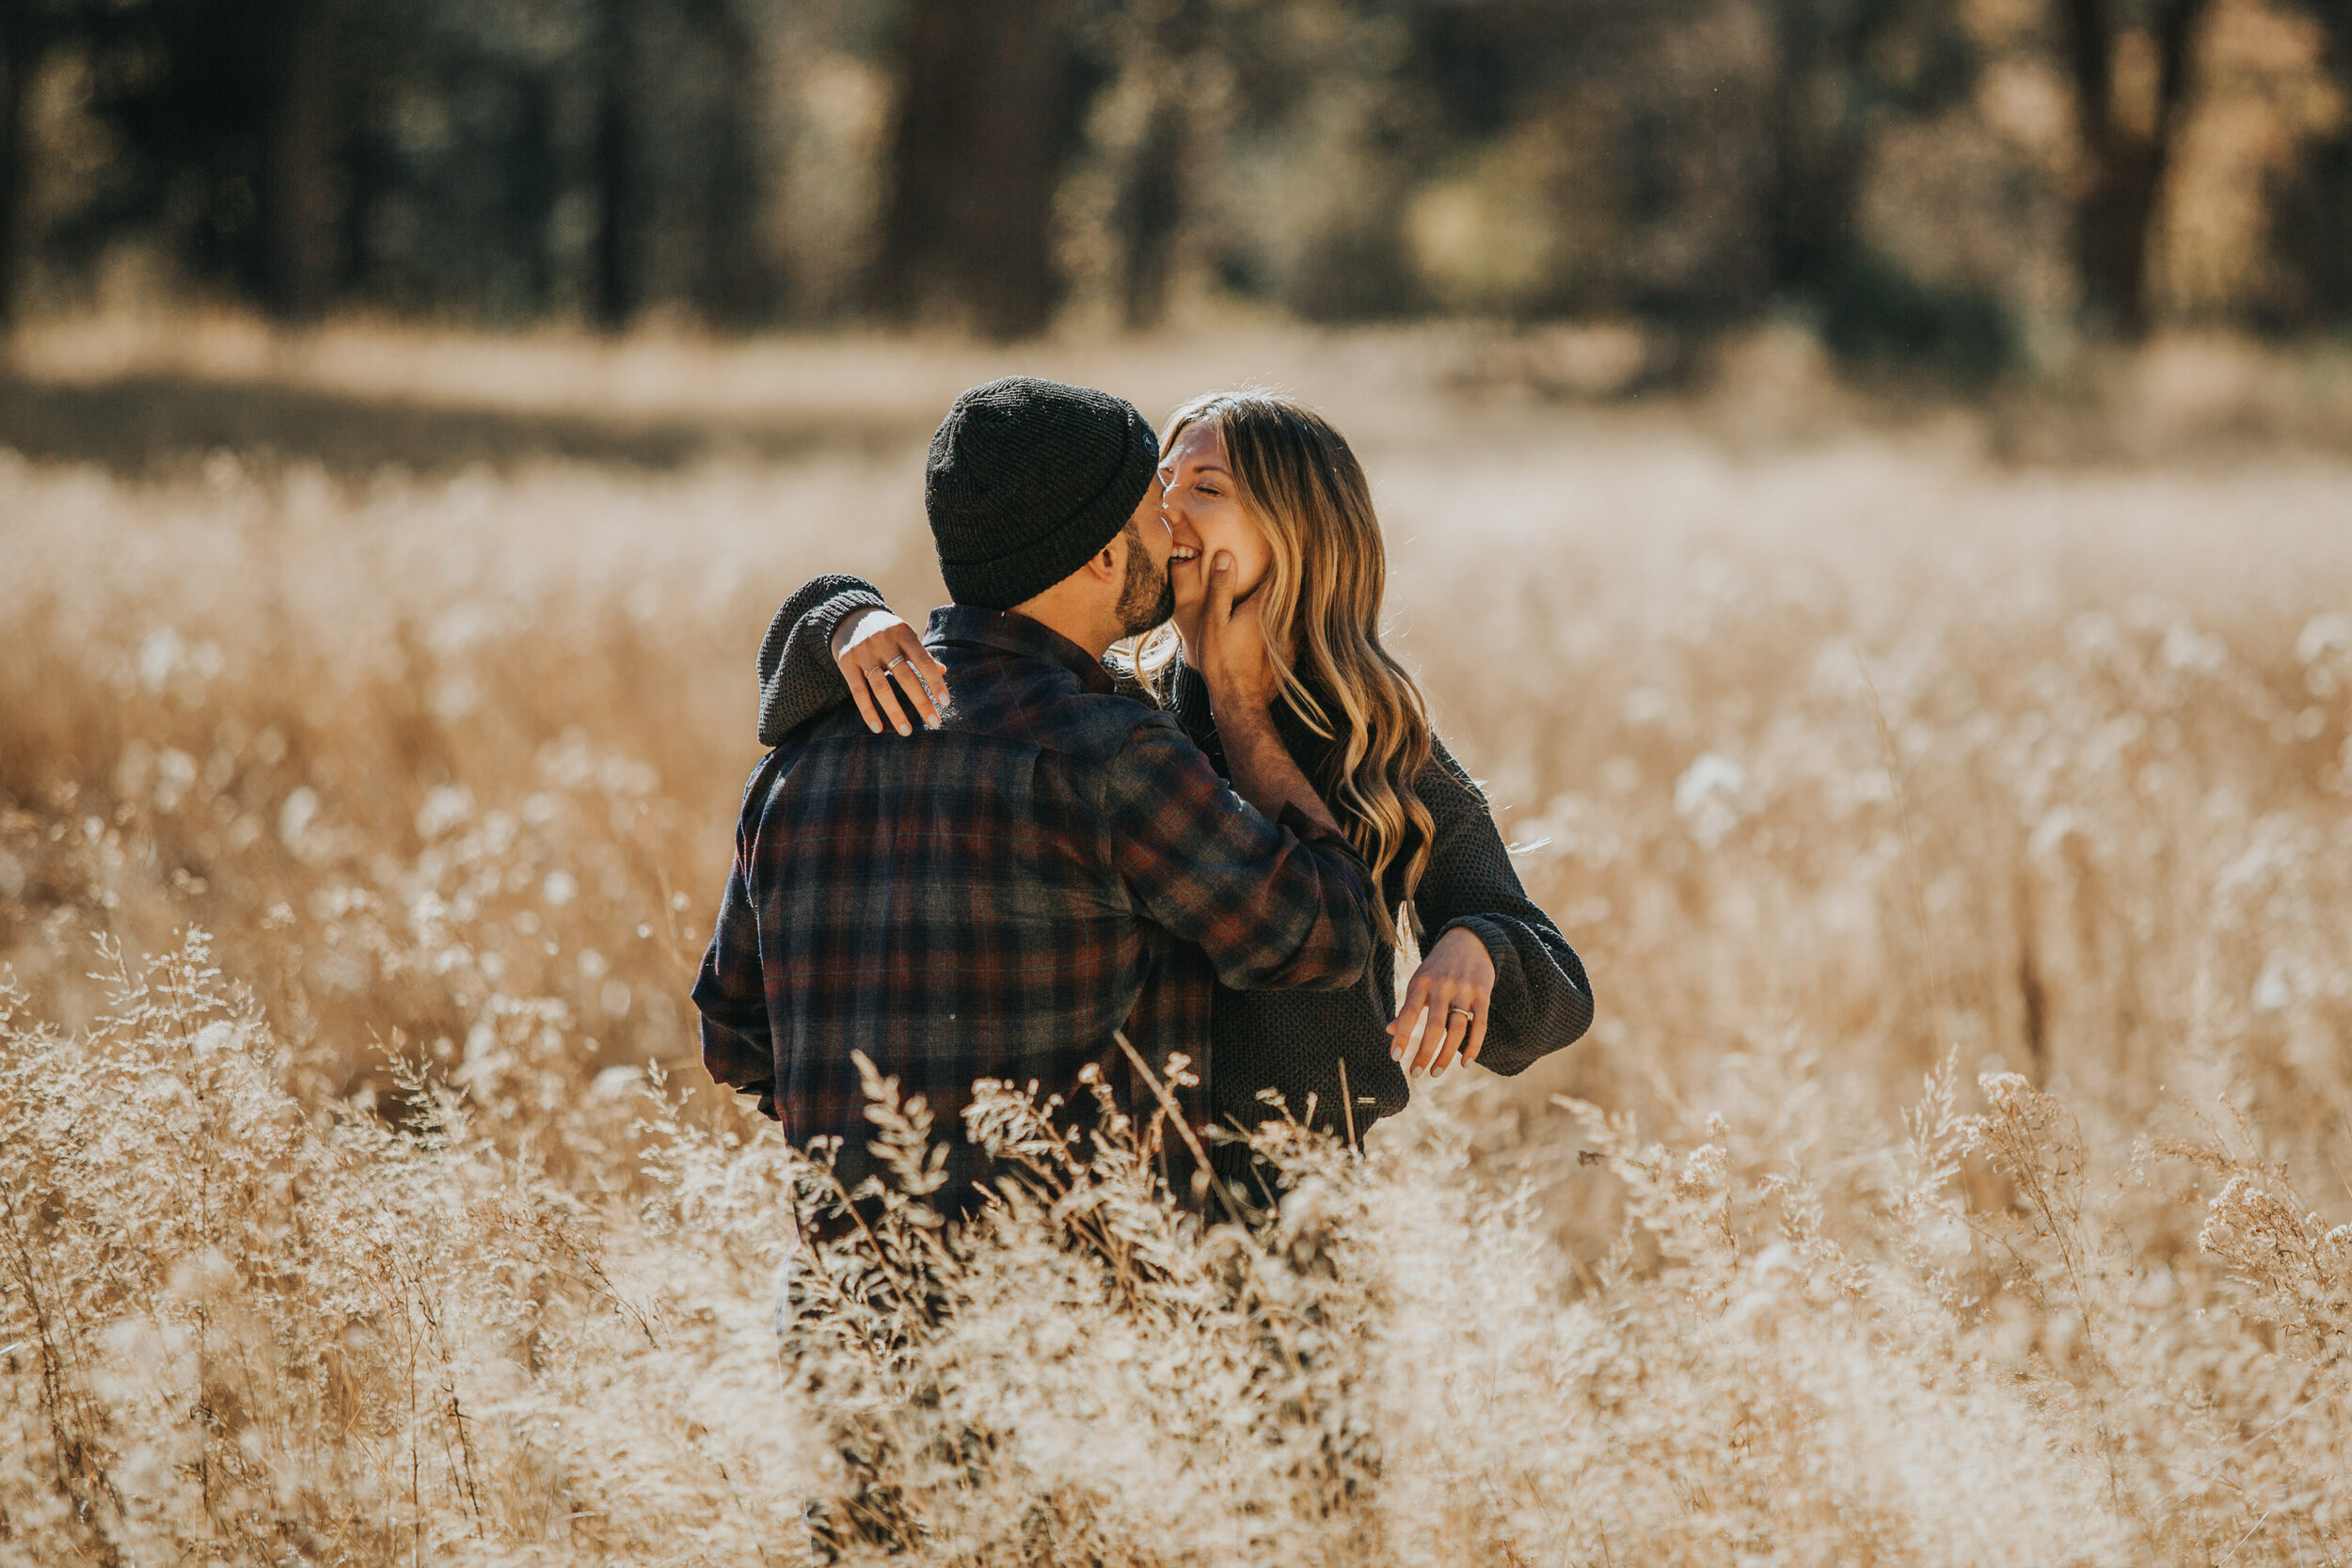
1951	805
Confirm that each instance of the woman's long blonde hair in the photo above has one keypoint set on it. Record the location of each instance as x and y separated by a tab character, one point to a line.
1301	485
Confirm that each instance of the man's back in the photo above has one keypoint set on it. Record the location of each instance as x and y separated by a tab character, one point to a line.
994	899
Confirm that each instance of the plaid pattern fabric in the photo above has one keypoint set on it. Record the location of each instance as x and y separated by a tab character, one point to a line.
994	899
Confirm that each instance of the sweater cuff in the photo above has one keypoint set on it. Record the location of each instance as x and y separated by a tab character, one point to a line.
1500	947
798	650
825	619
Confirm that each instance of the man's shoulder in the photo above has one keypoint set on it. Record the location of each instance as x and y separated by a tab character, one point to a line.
1089	736
1098	727
1048	706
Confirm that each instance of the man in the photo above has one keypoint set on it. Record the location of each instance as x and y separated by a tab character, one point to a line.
1053	862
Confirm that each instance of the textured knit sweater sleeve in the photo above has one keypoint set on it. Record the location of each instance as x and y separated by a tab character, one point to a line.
798	678
1542	999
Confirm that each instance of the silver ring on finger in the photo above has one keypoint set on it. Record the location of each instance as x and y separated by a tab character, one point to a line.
1464	1011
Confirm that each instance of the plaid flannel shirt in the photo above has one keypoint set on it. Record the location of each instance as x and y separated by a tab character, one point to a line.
992	899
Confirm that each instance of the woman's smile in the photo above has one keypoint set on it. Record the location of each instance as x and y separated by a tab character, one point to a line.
1205	513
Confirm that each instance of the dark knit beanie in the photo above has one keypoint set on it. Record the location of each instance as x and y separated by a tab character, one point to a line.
1026	480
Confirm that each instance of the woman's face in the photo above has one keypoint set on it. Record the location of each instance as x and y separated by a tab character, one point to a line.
1204	515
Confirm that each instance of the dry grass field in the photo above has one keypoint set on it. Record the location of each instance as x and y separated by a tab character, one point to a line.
1961	1171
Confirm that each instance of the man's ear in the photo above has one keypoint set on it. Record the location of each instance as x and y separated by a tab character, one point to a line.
1106	562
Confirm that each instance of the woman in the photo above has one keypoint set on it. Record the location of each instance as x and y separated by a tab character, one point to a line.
1265	489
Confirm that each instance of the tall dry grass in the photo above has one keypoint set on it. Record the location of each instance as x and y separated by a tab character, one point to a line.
1958	1174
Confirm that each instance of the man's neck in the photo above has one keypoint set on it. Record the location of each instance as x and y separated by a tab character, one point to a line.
1074	620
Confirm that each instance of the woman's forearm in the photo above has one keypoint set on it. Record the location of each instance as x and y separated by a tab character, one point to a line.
798	678
1542	998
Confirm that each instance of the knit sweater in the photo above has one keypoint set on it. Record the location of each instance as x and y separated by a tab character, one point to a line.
1302	1045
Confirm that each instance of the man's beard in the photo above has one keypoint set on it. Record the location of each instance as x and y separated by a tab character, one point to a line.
1148	598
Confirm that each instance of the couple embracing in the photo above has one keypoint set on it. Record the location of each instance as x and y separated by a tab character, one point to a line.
1152	772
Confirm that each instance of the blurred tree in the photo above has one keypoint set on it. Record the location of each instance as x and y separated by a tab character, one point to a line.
230	116
2310	211
1843	69
1150	207
1845	74
1329	129
1690	162
1163	50
528	188
2133	75
300	189
733	286
429	155
1880	316
985	118
466	144
614	294
1710	155
24	37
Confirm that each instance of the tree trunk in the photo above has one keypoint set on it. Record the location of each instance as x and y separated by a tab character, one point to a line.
2310	208
614	294
1150	208
20	57
299	177
1823	115
732	286
2122	192
1816	177
1167	43
974	161
533	185
2114	221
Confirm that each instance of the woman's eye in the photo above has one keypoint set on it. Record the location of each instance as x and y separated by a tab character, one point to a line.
1205	489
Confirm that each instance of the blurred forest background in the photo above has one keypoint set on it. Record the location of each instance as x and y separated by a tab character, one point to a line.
1971	186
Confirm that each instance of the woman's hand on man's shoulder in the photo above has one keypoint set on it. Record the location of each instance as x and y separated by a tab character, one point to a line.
882	659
